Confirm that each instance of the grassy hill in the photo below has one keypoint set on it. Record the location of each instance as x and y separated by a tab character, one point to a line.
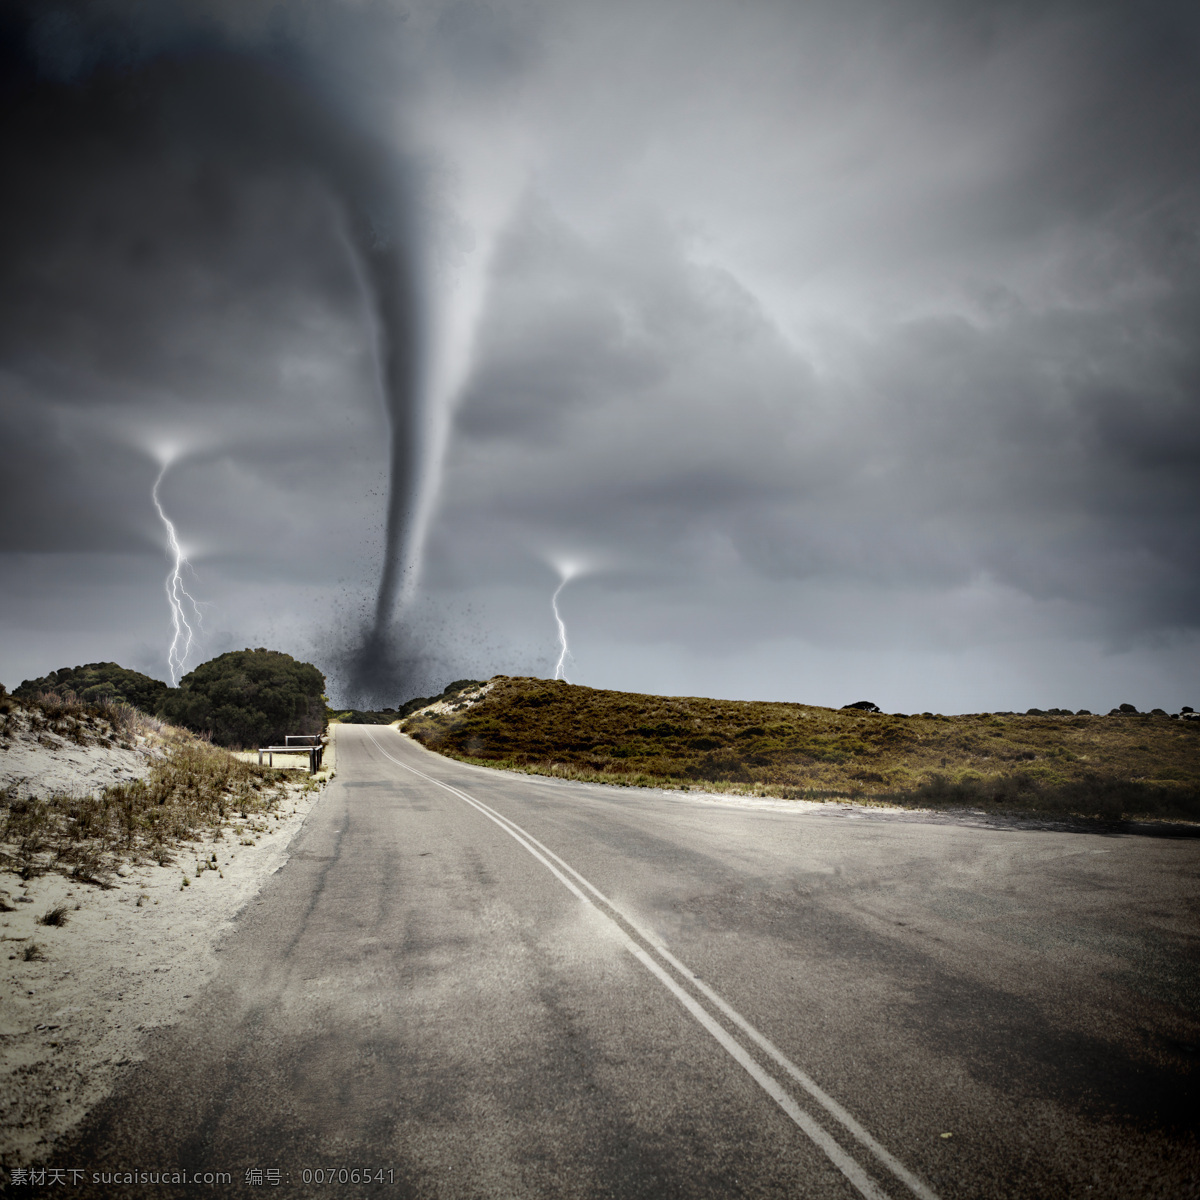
1105	766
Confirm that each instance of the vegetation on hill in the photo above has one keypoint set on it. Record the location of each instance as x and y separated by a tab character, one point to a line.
447	693
1122	764
249	698
192	786
73	719
96	682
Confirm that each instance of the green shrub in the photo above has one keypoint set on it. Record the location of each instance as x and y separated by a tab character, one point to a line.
97	683
357	716
249	698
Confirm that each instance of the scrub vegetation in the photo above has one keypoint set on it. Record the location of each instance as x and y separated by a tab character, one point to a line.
192	787
249	698
99	721
1122	765
362	716
243	698
97	683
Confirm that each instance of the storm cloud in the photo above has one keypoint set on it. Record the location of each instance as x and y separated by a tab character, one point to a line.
852	348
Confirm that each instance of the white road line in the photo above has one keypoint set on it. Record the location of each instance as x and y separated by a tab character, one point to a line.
840	1159
915	1184
849	1167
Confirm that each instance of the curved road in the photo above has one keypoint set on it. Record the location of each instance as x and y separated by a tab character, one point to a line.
474	984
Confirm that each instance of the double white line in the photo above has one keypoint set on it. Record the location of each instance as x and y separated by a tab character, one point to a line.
656	959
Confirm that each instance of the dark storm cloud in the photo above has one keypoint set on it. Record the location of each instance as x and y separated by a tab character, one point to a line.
844	323
901	299
133	321
177	196
1053	450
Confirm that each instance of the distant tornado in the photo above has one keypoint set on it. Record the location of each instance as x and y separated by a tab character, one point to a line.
400	371
268	118
390	280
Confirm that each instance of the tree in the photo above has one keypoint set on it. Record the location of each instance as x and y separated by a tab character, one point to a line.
95	682
249	698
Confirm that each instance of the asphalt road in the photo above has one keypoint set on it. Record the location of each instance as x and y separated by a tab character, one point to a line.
471	984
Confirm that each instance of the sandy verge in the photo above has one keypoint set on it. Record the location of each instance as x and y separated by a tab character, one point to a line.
459	702
127	960
42	761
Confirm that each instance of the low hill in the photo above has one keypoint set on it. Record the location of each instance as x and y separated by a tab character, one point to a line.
361	716
96	682
1126	763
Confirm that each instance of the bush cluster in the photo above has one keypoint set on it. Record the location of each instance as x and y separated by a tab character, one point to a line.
448	692
104	721
249	698
97	683
362	716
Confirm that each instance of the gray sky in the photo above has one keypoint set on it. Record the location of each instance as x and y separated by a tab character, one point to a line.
842	350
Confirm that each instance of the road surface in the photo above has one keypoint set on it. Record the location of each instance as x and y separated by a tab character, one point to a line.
474	984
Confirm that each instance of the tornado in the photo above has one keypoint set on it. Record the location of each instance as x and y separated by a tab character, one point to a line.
374	667
269	118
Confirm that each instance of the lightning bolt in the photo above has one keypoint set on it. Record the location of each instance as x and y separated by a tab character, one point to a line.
177	595
562	632
568	569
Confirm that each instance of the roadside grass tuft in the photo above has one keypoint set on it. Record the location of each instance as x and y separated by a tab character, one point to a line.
1054	762
54	916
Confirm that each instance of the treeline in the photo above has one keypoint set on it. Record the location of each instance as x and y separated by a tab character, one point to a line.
98	683
244	698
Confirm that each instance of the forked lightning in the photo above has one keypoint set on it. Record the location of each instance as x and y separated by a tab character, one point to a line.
177	595
562	633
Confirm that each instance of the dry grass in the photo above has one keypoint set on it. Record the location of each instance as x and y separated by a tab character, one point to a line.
192	787
107	722
1097	766
54	916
